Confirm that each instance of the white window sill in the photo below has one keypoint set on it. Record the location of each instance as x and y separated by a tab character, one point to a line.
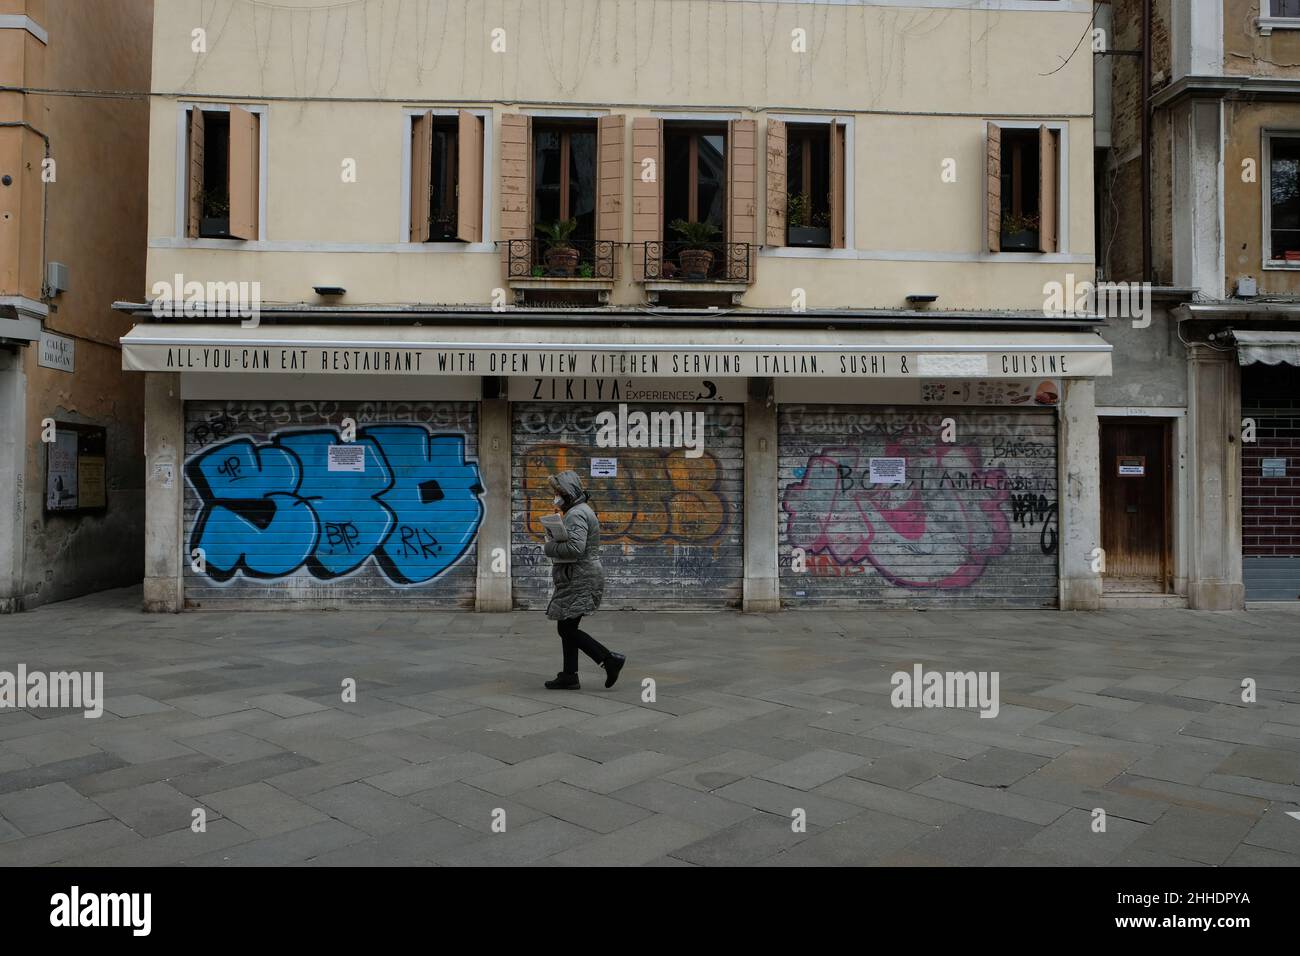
1279	265
312	245
1268	24
806	252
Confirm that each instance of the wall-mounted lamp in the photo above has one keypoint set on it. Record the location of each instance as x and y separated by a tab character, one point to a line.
330	290
921	298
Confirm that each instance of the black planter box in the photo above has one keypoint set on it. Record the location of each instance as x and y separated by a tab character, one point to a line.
808	236
214	228
1024	241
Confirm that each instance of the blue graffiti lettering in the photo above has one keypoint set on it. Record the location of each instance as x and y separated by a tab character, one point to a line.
414	504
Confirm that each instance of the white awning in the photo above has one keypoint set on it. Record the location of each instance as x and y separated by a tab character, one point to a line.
1267	348
592	351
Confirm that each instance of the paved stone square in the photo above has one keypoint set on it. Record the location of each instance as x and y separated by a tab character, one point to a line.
1138	713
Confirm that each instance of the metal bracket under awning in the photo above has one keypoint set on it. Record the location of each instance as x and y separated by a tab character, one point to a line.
1267	348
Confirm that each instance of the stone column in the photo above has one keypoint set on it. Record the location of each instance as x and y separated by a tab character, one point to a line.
1214	480
13	474
1079	498
165	553
494	592
761	591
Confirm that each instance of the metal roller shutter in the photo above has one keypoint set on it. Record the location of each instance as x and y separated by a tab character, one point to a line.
973	525
389	520
670	525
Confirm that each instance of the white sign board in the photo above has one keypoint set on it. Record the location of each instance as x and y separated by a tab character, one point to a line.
888	471
604	467
57	351
347	458
1135	470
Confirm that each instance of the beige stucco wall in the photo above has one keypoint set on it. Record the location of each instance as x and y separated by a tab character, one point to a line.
887	67
96	213
1247	52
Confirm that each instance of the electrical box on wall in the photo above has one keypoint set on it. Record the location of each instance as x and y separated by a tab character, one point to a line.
56	278
1247	287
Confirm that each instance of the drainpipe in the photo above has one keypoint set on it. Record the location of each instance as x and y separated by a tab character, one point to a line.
1146	142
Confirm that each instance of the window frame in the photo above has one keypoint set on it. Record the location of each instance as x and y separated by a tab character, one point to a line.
183	109
698	126
404	225
1062	130
1267	135
1268	21
565	125
849	249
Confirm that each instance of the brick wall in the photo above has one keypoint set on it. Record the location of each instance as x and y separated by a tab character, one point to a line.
1271	506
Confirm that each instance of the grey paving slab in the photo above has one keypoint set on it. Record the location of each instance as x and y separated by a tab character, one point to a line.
753	840
812	769
1200	836
635	844
866	839
693	806
474	808
973	838
54	806
785	801
992	800
520	844
899	803
582	807
994	768
153	808
366	808
263	809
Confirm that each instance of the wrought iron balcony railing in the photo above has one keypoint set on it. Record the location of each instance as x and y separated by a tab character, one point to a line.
676	261
571	259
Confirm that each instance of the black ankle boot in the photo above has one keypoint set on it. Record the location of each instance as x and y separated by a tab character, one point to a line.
613	664
564	681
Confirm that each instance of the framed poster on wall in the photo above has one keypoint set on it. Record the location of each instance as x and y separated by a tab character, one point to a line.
75	466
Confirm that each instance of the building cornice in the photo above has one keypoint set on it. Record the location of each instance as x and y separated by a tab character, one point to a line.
1227	87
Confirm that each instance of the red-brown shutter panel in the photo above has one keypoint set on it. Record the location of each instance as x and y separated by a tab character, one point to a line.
421	175
195	175
516	195
777	170
469	177
993	188
647	196
742	195
243	174
612	172
1048	179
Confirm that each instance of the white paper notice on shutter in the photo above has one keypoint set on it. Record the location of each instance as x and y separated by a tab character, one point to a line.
604	467
888	471
347	458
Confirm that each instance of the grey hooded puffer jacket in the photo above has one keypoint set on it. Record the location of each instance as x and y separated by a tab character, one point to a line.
577	575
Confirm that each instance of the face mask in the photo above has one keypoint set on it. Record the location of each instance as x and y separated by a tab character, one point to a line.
559	502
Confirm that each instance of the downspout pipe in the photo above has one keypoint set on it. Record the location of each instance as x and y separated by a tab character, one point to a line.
1146	142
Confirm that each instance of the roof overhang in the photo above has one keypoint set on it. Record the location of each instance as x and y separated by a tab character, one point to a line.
498	350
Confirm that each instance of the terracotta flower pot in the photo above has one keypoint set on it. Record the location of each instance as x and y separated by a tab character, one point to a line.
696	263
561	260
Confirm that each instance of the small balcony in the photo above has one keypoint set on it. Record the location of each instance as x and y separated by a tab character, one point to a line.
704	268
548	268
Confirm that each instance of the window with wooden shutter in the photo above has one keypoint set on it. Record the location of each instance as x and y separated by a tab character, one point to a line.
243	166
1023	189
194	172
647	192
469	177
610	151
516	221
776	182
421	175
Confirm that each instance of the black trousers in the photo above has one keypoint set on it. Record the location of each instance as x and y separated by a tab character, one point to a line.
575	640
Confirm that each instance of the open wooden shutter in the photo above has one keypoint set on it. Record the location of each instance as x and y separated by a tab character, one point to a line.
611	175
647	194
243	174
993	188
742	189
421	175
469	177
1048	185
194	215
516	192
838	194
777	170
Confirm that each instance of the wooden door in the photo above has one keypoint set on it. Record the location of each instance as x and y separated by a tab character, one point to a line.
1135	497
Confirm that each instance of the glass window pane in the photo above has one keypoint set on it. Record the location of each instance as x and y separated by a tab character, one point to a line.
1284	195
582	182
712	179
442	192
676	178
546	176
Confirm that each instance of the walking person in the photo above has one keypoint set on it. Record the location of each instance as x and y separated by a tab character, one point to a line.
579	582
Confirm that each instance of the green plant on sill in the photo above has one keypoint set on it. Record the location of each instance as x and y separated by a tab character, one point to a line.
556	234
1012	224
696	235
796	210
215	203
585	271
539	272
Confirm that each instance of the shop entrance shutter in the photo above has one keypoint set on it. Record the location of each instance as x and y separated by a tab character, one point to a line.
1270	483
284	513
671	524
973	524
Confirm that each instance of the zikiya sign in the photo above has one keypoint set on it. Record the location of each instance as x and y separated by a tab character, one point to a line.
593	361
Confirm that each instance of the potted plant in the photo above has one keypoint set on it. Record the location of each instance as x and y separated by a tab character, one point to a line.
215	221
696	257
1019	233
803	228
560	257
